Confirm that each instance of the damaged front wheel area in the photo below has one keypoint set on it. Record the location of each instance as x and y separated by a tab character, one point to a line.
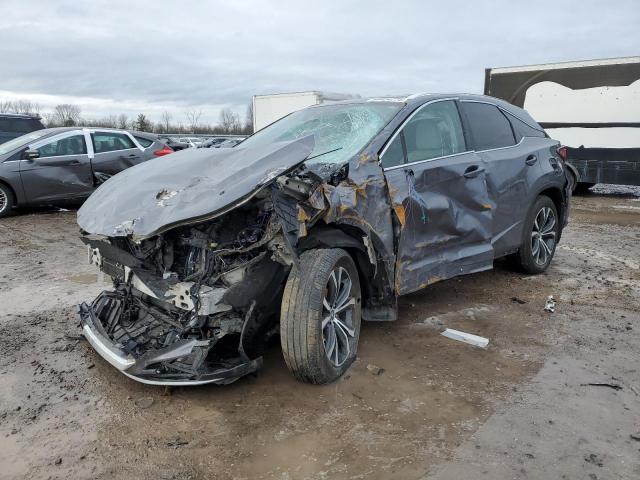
320	316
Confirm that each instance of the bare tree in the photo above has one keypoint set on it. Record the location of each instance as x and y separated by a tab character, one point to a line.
67	114
6	106
26	107
229	121
193	119
248	121
123	121
50	119
165	122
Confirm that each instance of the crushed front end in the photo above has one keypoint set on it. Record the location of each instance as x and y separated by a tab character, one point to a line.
193	305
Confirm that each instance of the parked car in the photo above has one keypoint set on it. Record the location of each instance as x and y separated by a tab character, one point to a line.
14	125
212	142
229	143
58	165
221	142
324	217
190	141
173	143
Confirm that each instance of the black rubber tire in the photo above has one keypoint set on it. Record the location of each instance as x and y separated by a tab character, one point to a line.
301	315
523	258
8	207
583	188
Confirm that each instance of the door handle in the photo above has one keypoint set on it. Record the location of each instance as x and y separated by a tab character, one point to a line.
473	171
531	159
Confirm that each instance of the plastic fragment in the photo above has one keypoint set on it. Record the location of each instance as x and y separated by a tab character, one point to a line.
466	338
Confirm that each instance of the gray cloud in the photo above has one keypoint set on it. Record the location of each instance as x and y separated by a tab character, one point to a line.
190	54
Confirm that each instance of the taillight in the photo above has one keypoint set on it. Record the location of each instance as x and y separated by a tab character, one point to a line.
166	149
563	152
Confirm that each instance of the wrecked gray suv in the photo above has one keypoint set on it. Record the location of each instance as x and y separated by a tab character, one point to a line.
317	221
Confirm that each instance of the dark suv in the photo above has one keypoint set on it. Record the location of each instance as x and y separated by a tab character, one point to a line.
315	222
13	125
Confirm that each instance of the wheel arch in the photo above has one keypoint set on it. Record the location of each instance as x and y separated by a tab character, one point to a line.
4	183
379	302
558	199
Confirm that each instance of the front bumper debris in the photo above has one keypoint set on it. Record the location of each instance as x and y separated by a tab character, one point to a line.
147	368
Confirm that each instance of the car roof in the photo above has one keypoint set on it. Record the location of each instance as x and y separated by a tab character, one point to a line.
421	98
20	115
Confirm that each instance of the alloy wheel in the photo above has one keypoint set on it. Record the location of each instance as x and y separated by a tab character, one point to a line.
338	332
543	236
4	201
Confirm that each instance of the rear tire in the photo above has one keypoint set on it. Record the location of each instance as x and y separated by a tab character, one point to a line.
7	201
320	316
539	237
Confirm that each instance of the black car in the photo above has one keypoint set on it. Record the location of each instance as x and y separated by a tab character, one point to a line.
313	223
14	125
59	165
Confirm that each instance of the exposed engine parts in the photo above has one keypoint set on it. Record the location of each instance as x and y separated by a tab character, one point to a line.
188	304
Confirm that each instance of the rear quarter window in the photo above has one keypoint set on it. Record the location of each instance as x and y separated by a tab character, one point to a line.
490	128
145	142
110	142
521	129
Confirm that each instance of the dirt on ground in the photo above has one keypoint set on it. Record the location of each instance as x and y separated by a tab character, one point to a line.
553	396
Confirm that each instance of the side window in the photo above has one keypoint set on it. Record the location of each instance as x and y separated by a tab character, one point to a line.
74	145
521	129
435	131
489	126
394	154
145	142
110	141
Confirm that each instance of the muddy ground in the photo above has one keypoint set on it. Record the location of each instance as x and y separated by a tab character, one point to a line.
521	409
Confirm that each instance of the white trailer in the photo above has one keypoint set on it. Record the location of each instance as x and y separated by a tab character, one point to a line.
591	106
269	108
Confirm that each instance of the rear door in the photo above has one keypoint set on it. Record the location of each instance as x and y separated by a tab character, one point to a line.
114	152
62	170
439	195
511	160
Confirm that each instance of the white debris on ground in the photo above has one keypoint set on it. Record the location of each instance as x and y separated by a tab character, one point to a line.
550	305
466	338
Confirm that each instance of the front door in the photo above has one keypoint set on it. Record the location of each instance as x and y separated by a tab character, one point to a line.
61	171
439	195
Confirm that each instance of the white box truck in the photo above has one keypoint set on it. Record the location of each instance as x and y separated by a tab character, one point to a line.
269	108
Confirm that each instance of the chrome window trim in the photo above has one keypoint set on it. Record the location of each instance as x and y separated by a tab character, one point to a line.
54	138
407	120
404	165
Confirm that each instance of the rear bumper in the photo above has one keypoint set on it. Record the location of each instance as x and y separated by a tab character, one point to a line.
141	370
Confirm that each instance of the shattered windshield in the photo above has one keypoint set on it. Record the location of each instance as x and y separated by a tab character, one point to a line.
340	130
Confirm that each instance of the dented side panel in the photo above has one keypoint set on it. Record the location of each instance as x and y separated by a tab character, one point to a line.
445	218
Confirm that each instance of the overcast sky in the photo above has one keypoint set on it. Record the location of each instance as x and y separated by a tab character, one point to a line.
150	56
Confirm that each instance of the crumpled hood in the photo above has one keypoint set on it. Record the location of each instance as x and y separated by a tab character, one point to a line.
185	187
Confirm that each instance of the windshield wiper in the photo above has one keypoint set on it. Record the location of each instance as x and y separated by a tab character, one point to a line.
321	154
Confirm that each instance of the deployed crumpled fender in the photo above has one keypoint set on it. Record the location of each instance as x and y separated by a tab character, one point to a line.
186	187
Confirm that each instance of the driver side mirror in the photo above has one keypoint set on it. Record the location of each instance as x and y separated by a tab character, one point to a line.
31	154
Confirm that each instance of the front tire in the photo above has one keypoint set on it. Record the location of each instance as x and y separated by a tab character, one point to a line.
540	236
6	200
320	316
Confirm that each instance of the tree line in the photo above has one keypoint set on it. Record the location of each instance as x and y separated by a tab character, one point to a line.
70	115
